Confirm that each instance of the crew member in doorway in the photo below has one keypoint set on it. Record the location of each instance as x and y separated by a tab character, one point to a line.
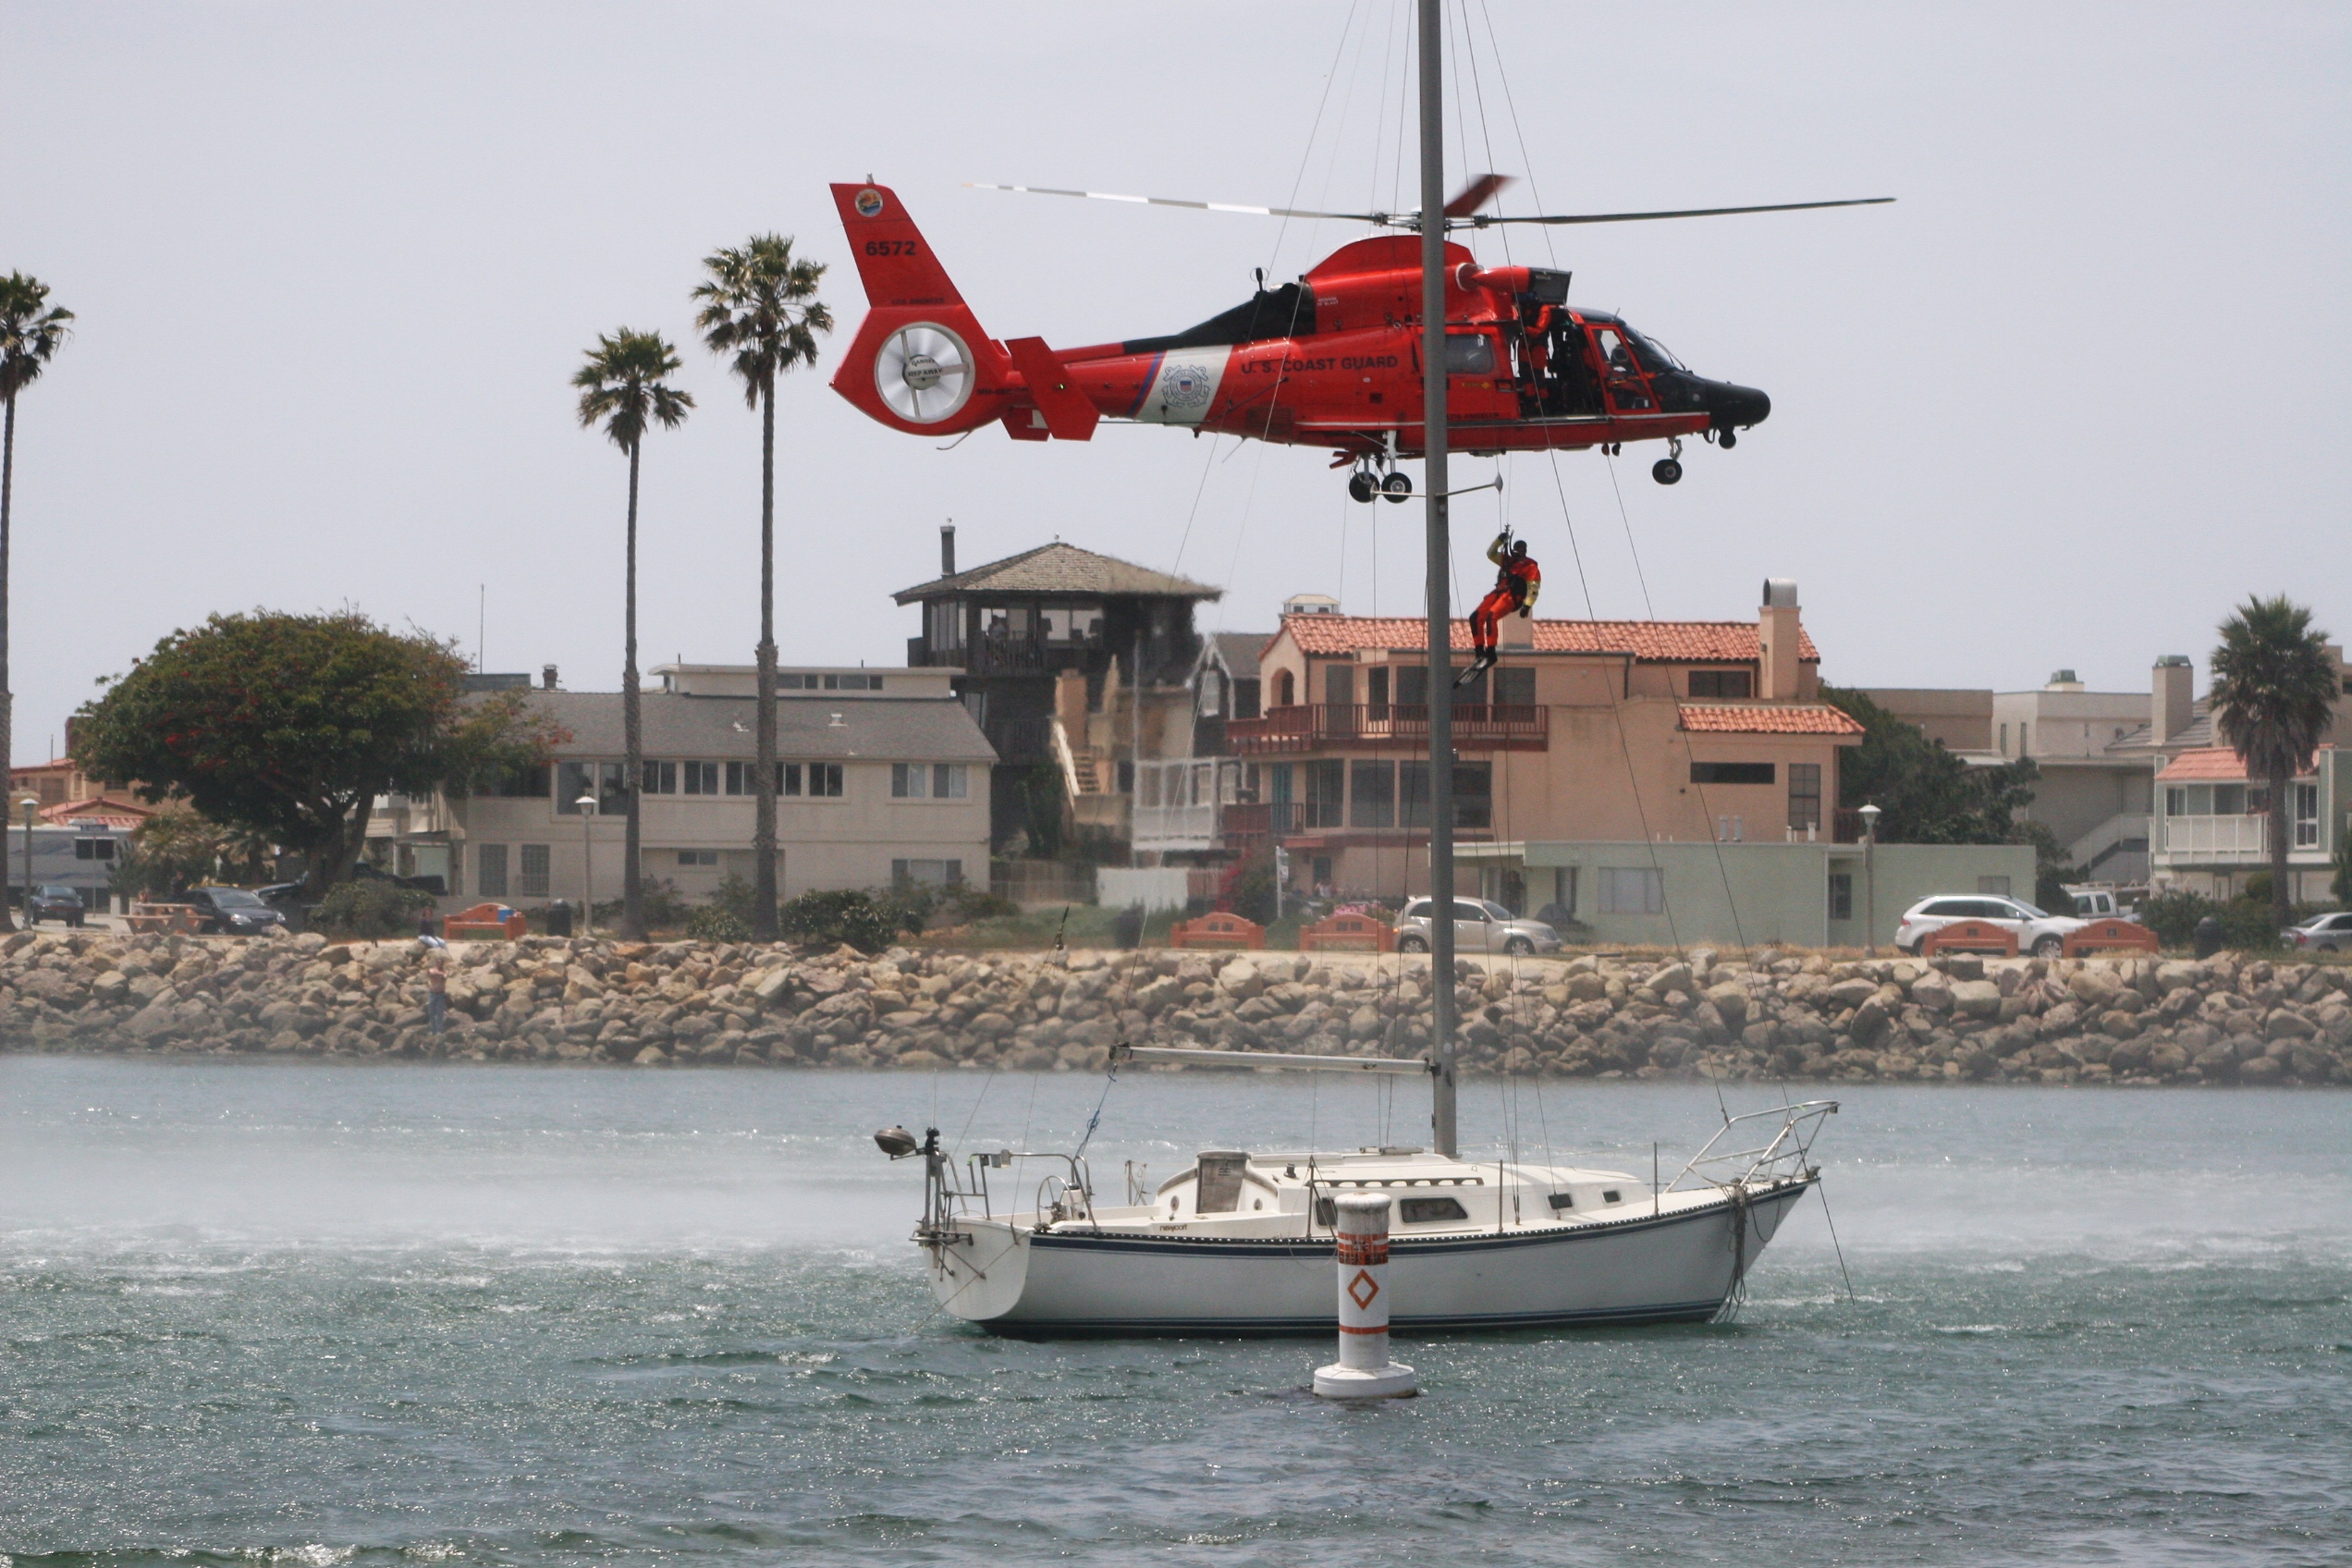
1517	582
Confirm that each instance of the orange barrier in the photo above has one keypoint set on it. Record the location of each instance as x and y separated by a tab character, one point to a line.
483	923
178	920
2109	936
1349	933
1219	929
1970	937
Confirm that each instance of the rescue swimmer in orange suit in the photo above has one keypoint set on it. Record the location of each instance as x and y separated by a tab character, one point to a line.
1516	584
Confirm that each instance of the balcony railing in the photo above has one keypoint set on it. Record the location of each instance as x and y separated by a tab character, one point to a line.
1323	727
2217	837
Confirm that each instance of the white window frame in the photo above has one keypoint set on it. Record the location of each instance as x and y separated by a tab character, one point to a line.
1632	889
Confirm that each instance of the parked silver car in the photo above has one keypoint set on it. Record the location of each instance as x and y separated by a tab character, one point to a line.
1479	927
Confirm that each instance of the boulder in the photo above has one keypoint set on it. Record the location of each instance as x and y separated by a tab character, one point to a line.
1975	999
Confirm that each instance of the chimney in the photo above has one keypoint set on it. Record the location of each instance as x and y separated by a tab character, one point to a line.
2173	699
947	549
547	678
1777	638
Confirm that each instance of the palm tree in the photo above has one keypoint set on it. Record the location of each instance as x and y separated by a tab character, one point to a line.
31	331
2274	690
621	384
761	306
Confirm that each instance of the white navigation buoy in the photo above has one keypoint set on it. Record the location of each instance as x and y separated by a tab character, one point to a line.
1363	1371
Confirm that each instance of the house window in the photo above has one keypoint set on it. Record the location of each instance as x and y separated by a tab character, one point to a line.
1412	685
515	783
2023	746
1736	683
742	776
1245	697
661	779
533	881
943	623
1339	684
1515	688
701	777
94	848
604	779
937	781
824	779
1633	889
490	871
1737	772
2229	799
2305	800
1805	795
1473	795
1840	895
1372	800
930	872
2005	739
1326	788
698	857
854	683
1285	689
1468	693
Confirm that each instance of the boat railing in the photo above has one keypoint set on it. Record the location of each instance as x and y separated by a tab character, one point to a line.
1784	1154
1065	1195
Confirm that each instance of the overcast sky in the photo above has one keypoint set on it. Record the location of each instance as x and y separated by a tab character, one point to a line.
2078	391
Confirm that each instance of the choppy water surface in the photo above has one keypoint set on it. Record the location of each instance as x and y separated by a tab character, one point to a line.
327	1314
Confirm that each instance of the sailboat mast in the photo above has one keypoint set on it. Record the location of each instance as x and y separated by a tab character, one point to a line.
1433	408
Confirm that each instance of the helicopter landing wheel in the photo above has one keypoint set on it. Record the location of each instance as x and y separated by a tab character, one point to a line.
1728	438
1362	486
1397	487
1667	470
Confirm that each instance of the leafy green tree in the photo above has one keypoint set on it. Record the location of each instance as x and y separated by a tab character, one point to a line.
2273	696
290	726
168	852
1927	794
31	331
760	306
621	384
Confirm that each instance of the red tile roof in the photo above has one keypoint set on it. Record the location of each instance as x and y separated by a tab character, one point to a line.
2211	762
98	808
1650	642
1809	720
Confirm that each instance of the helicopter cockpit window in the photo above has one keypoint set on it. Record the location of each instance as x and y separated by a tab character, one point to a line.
1654	356
1620	371
1469	353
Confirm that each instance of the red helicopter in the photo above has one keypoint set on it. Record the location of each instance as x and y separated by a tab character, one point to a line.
1333	360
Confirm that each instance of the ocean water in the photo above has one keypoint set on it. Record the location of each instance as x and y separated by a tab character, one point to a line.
325	1313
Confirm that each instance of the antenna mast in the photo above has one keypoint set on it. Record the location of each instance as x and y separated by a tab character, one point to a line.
1433	407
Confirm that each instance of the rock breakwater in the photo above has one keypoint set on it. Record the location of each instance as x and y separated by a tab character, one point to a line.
2229	1019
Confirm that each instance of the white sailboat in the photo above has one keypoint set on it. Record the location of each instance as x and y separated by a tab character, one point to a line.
1242	1243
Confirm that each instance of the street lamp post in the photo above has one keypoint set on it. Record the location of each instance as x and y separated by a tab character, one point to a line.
587	805
1870	880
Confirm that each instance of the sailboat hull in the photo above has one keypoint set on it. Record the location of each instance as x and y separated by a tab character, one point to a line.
1676	1266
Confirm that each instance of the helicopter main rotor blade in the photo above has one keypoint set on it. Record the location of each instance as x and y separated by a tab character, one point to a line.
1685	212
1383	218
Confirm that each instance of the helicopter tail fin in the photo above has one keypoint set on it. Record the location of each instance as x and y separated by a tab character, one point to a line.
893	259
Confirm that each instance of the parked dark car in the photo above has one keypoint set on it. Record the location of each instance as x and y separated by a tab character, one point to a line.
55	904
233	911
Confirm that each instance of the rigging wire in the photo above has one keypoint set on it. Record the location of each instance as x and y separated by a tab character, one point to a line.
1714	836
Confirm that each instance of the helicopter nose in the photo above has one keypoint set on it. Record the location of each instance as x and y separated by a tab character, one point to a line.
1737	407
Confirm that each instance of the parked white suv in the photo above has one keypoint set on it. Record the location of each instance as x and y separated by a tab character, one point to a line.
1479	927
2038	931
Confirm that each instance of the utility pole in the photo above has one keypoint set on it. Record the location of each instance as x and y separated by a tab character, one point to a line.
1440	547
